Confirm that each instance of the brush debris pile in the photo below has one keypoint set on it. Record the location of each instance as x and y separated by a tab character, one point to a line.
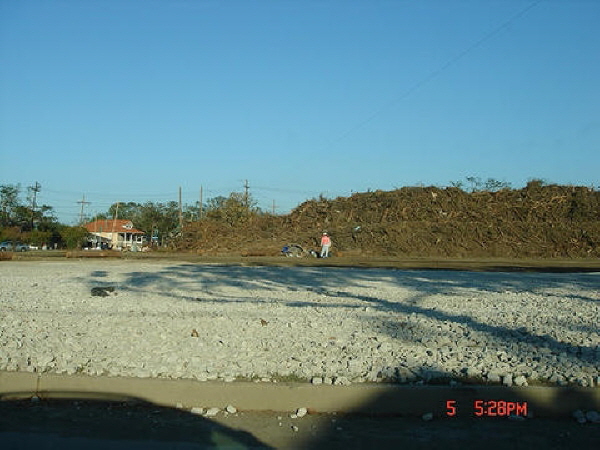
536	221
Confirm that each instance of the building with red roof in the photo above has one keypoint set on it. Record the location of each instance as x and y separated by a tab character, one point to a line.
116	233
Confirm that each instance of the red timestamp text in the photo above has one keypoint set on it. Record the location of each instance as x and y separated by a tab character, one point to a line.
490	408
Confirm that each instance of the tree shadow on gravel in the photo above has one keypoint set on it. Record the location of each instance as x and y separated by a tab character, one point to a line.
355	290
192	282
521	344
575	291
76	422
432	281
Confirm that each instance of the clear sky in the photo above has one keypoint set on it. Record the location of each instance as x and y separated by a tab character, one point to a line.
128	100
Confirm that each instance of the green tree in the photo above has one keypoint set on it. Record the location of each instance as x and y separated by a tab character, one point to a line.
13	213
37	237
159	219
11	208
73	237
124	210
155	219
233	209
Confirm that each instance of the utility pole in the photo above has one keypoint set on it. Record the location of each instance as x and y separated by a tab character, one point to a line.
36	188
82	202
180	212
112	234
246	194
274	205
200	208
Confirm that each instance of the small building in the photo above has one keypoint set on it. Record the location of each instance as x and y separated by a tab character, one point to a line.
116	234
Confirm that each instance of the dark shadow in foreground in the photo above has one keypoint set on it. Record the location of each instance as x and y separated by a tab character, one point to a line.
79	422
428	422
464	418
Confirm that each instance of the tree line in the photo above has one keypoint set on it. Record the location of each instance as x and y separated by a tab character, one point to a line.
27	222
22	220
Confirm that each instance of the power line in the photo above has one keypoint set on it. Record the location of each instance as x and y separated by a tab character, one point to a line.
114	194
67	209
437	71
285	191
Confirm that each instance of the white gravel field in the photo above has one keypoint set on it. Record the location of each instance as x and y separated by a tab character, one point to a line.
325	325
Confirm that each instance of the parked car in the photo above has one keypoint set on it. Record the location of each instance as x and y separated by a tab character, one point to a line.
13	246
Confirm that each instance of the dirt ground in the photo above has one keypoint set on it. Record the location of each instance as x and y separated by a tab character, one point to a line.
422	263
69	424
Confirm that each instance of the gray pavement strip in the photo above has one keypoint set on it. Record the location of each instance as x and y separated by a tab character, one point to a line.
370	399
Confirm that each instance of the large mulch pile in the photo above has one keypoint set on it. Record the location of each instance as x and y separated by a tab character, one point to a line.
537	221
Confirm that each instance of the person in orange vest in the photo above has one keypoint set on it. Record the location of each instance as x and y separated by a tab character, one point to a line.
325	244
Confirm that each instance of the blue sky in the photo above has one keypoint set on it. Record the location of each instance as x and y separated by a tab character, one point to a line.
129	100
